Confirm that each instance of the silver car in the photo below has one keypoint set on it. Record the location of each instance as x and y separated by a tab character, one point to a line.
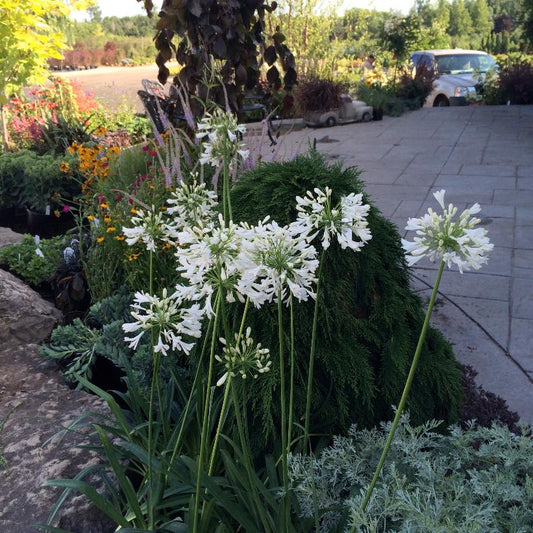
460	74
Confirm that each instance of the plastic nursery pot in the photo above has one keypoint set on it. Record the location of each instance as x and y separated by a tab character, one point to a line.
13	218
48	225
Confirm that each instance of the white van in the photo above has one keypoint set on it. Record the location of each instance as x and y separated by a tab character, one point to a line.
459	74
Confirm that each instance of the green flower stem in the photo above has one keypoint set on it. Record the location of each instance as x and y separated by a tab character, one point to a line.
406	389
205	417
221	419
284	450
312	351
291	379
226	197
222	416
153	387
246	454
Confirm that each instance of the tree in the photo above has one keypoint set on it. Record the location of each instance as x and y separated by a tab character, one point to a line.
29	39
527	20
229	33
481	16
460	20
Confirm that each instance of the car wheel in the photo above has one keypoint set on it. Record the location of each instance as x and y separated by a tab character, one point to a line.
367	117
331	121
441	101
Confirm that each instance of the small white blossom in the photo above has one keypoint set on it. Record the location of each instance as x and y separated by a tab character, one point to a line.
244	358
343	221
150	228
272	260
223	133
169	320
448	237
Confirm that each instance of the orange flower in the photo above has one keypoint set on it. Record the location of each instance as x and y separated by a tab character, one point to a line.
132	257
120	237
64	167
107	218
104	205
90	217
99	239
111	229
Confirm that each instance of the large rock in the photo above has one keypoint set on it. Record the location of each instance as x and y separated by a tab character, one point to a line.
35	404
8	236
25	318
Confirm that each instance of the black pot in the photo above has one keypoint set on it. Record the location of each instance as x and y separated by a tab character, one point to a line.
377	113
48	225
13	218
7	215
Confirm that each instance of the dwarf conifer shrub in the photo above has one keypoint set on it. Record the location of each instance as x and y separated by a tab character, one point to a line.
369	320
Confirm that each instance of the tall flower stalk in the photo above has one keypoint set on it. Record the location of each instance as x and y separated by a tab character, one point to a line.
347	223
449	240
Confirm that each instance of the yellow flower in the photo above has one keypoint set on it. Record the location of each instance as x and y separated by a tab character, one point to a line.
132	257
107	218
90	217
104	205
113	150
99	239
120	237
64	167
110	229
133	211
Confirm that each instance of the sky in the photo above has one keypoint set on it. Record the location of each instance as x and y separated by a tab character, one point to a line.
122	8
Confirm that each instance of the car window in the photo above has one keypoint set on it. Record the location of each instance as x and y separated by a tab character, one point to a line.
463	63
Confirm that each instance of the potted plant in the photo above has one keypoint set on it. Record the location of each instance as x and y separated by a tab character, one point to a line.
40	180
11	188
315	95
374	90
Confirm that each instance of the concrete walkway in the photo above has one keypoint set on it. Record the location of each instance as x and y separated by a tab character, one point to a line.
478	154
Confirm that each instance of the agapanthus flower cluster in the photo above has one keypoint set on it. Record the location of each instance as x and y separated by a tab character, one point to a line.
207	259
222	131
244	358
344	221
448	238
168	318
191	204
274	262
150	227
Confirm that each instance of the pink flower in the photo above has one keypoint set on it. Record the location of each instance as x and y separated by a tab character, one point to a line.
66	209
145	148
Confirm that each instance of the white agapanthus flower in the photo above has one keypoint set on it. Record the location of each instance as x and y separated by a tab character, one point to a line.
344	221
448	237
169	320
244	358
150	228
191	204
222	144
272	260
206	259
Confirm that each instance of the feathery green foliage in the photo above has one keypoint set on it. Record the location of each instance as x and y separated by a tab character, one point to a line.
473	480
369	320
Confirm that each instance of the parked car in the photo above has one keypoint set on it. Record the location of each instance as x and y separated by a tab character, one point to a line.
349	111
460	74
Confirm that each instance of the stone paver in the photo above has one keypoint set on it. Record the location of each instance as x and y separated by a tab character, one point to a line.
478	154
